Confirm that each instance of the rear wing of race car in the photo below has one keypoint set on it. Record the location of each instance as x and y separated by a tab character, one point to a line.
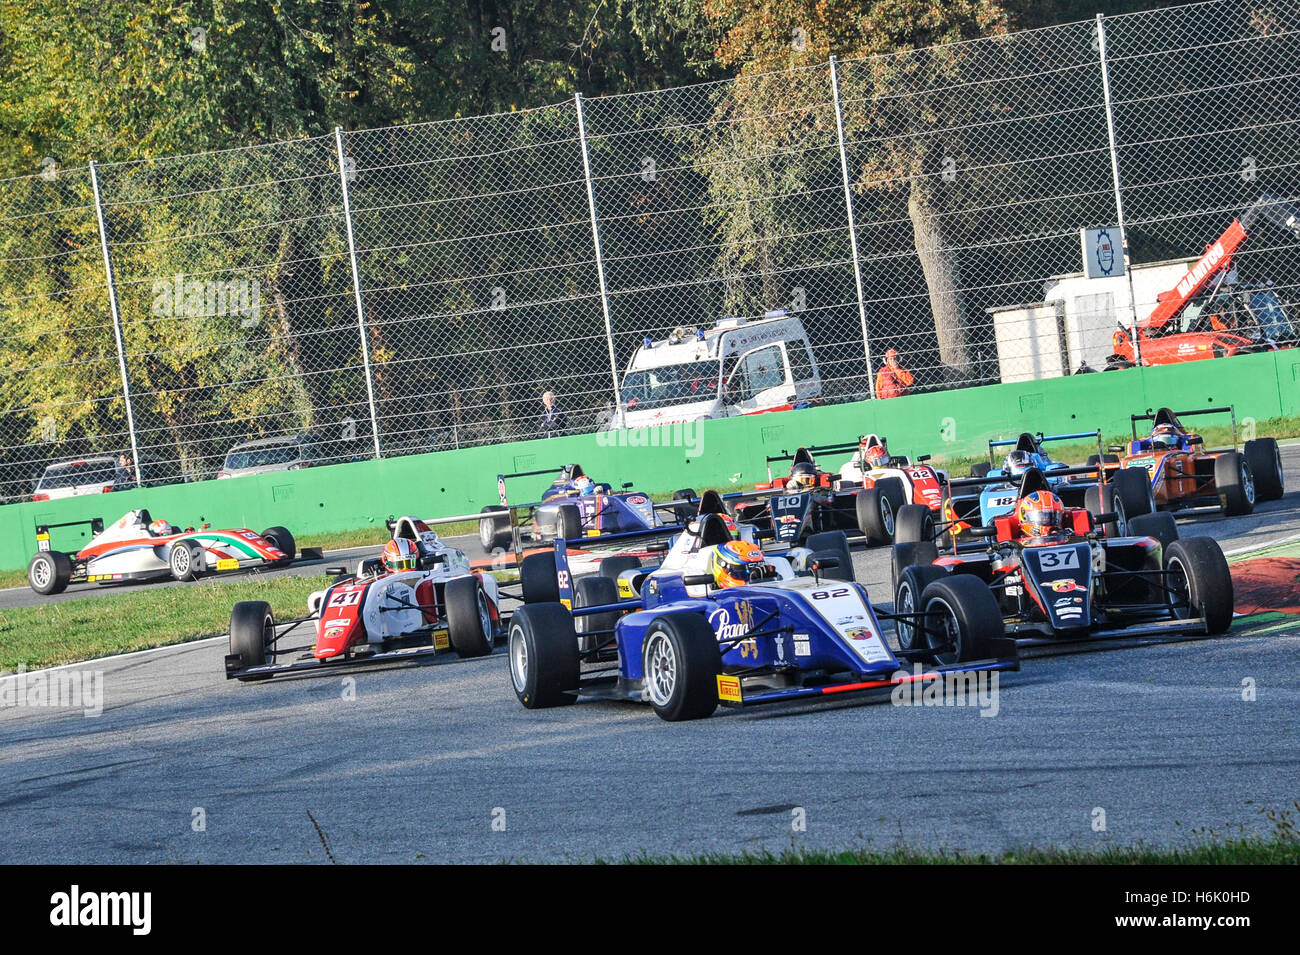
1096	469
1041	439
814	449
43	530
1163	416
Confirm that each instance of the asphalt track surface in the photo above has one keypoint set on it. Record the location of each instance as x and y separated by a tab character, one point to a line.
440	763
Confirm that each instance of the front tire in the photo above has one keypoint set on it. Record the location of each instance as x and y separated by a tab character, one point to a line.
962	619
568	522
252	634
911	554
469	619
681	665
594	629
1101	499
912	582
494	532
1235	483
1265	460
543	651
914	524
1133	487
185	561
49	572
539	578
282	541
1199	581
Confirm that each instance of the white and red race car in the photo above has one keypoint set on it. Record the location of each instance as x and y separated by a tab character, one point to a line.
136	547
872	463
433	605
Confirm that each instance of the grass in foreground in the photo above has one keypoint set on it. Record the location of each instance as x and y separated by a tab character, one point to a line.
1272	851
1280	847
75	630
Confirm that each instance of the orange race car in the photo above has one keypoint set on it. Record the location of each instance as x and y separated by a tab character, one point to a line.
1186	475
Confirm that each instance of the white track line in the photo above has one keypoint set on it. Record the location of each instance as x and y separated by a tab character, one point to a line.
118	656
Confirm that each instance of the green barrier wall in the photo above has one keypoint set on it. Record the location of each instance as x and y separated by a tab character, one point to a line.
730	452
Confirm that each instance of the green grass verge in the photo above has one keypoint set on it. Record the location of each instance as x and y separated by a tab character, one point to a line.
74	630
1207	847
1272	851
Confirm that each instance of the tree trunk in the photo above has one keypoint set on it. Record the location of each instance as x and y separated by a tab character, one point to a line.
941	277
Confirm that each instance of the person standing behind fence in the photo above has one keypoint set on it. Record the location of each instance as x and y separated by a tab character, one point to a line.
894	380
553	419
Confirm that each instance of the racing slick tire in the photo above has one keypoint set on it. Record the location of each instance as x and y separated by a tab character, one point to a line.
877	509
613	567
49	571
469	619
282	541
494	532
1101	459
543	652
1235	482
1133	487
681	666
913	523
593	629
568	522
912	554
684	512
252	630
912	582
965	616
833	544
1196	573
1101	499
185	560
1160	525
538	578
1265	460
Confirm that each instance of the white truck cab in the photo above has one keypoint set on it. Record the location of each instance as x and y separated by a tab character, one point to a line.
739	366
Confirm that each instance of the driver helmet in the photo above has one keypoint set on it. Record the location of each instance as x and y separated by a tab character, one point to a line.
802	475
160	528
1041	514
877	456
1017	463
1165	437
400	554
584	485
737	563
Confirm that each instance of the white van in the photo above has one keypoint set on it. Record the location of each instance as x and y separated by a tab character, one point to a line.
737	367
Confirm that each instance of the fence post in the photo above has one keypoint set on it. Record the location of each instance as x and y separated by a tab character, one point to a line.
356	287
117	321
1117	182
600	260
853	231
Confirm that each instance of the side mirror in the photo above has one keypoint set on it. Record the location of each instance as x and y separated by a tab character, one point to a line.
987	530
922	459
698	580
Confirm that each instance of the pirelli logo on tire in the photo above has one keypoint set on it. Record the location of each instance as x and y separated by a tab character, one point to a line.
729	688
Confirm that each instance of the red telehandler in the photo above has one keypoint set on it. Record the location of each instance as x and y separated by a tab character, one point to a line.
1207	315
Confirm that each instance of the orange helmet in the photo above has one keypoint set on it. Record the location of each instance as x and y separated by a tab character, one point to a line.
400	554
737	563
876	456
1041	514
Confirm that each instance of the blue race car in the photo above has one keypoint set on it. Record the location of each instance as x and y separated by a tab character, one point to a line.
754	630
993	491
573	506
